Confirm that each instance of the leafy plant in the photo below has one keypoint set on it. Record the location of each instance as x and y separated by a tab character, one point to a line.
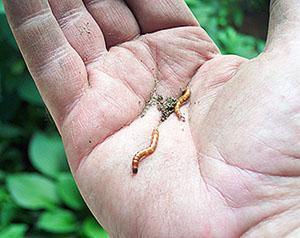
221	19
46	154
14	231
32	191
38	195
58	221
68	191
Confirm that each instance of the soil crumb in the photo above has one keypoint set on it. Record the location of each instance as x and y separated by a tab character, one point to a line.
165	105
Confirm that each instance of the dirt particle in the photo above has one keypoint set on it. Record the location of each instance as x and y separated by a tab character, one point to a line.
166	107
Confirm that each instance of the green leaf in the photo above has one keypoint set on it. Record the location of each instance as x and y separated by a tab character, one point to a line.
8	209
32	191
5	31
57	221
3	196
238	18
46	154
14	231
260	46
68	191
29	93
191	3
8	131
91	229
1	8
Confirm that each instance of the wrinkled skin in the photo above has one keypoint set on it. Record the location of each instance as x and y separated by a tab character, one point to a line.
232	169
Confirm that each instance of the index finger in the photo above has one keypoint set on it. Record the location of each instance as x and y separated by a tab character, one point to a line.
163	14
56	67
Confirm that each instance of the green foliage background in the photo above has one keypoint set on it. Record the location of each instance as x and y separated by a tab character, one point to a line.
38	196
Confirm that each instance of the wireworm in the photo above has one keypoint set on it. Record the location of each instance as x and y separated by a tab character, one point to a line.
139	156
185	96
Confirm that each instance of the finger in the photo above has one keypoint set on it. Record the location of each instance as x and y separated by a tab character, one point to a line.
162	14
79	27
115	20
56	67
284	24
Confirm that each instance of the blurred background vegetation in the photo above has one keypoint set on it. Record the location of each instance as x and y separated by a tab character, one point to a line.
38	197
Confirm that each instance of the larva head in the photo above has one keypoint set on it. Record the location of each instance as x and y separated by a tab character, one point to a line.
135	165
134	170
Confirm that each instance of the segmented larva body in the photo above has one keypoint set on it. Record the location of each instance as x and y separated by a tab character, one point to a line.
139	156
185	96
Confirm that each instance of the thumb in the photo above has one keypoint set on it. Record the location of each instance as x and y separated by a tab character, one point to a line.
284	27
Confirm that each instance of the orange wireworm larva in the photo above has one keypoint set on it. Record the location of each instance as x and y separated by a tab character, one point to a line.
139	156
185	96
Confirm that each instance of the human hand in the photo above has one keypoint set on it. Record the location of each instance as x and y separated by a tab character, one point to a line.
231	169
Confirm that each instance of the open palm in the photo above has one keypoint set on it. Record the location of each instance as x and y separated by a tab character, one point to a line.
231	169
